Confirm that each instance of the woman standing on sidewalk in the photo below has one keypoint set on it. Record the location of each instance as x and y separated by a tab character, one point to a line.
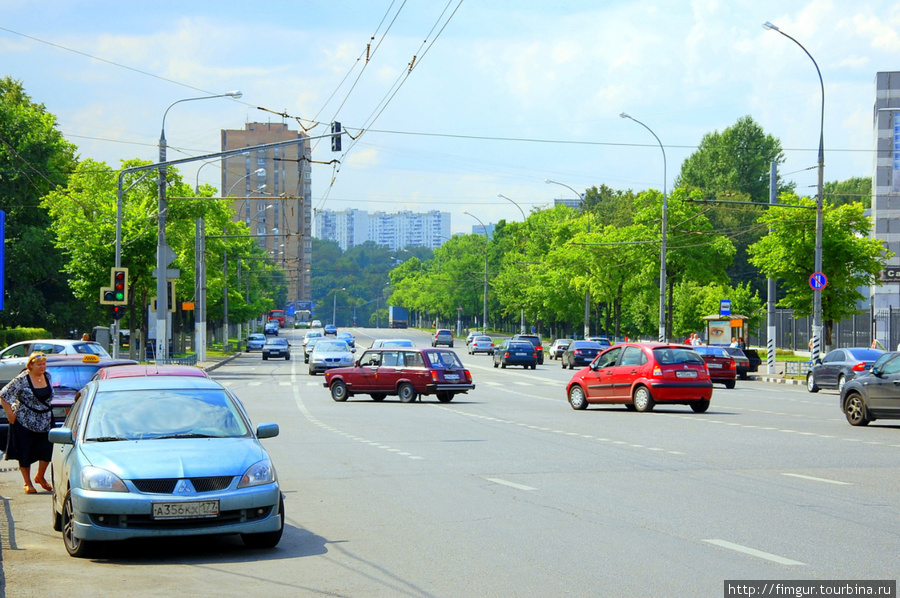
26	401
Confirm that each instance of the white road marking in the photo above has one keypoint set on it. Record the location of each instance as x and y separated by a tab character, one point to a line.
814	479
285	384
254	383
753	552
510	484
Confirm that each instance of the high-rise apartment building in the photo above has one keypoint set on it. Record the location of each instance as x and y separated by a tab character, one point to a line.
350	228
272	190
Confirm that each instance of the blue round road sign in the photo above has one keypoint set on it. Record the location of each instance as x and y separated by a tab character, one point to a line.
818	281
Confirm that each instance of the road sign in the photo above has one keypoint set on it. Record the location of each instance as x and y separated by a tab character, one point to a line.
725	307
818	281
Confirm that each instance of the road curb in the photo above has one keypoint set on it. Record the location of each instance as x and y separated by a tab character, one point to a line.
218	364
776	380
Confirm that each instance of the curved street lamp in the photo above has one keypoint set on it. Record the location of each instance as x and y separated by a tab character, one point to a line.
820	222
486	242
515	204
522	321
662	253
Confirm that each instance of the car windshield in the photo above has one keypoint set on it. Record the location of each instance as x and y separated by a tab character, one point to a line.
521	345
586	345
313	334
397	343
90	349
734	351
332	347
277	341
674	355
865	354
153	414
257	337
482	339
443	359
63	376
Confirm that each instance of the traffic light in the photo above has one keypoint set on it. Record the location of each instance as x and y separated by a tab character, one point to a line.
335	136
118	311
117	292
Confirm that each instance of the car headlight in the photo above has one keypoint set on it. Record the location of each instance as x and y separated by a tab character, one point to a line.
258	474
101	480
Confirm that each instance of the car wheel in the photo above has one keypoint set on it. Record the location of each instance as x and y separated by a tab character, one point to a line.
406	392
576	398
287	357
445	397
811	383
855	410
266	539
534	367
265	357
339	391
503	365
841	381
378	396
729	384
642	399
74	546
312	372
700	406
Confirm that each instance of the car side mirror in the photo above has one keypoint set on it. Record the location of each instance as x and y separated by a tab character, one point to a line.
594	366
353	350
877	372
61	436
267	431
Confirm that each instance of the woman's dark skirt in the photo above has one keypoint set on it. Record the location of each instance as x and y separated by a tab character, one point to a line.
26	446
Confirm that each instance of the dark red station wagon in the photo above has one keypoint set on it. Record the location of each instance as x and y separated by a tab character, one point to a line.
406	372
641	375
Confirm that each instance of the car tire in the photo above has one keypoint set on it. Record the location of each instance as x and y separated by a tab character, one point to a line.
503	365
74	546
855	410
811	383
378	396
312	372
339	391
842	379
700	406
287	357
729	384
642	399
577	398
445	397
406	392
265	357
266	539
534	367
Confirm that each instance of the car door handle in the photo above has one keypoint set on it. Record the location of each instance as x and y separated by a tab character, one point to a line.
896	382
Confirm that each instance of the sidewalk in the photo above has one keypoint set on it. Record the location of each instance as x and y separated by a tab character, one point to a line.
212	362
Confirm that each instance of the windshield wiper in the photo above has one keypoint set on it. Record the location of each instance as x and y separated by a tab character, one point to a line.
106	439
186	435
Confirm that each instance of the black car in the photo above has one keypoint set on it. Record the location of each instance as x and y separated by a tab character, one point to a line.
513	352
580	354
276	347
874	394
840	366
535	342
743	361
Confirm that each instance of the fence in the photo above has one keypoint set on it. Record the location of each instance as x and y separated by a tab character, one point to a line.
793	334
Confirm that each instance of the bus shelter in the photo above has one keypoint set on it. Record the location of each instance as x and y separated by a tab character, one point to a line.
722	330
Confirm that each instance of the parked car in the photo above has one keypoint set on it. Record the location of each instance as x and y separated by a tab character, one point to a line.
276	347
124	468
391	342
720	363
442	337
255	342
347	338
874	394
536	343
742	361
513	352
558	347
839	366
481	344
68	375
14	357
580	354
271	328
330	329
329	354
407	373
309	345
642	375
149	369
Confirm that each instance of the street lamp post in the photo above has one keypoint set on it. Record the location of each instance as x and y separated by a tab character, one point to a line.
662	253
334	306
486	242
522	322
162	250
820	222
587	292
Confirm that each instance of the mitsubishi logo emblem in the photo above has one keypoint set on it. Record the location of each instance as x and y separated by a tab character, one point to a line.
184	487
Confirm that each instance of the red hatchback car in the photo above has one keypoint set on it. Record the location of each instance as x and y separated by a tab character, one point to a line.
641	375
403	371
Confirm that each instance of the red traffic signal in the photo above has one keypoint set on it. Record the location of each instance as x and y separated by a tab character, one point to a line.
118	311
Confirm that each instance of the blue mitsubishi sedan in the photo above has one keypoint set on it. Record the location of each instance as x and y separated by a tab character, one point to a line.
162	456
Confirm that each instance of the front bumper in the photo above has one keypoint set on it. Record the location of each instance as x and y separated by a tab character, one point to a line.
322	367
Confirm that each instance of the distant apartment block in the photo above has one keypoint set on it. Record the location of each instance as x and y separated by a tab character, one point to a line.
350	228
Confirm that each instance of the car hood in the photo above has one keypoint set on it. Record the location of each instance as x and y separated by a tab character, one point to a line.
175	457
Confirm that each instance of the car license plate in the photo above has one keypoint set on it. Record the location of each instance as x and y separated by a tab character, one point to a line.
185	510
451	376
715	366
685	374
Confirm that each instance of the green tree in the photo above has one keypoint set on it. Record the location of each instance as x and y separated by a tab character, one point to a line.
34	160
853	189
850	258
694	301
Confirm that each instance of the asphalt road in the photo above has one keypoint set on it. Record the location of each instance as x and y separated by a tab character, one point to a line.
507	491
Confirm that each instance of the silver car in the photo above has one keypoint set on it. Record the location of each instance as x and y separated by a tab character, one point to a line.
329	354
158	456
13	357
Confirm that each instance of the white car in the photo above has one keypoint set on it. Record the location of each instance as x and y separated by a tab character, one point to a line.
311	334
558	347
481	344
14	357
316	324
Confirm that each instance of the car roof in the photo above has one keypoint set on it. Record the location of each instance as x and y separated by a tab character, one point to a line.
158	383
150	369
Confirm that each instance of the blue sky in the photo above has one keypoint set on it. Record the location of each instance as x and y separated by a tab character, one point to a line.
454	134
